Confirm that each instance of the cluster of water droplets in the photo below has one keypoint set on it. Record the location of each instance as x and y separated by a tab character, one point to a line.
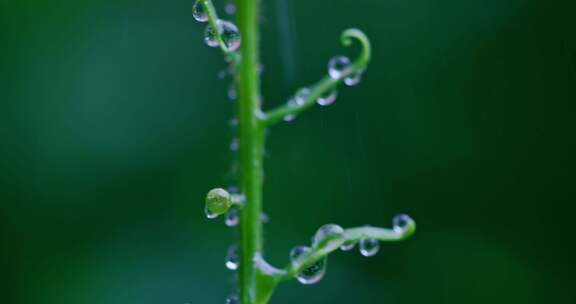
227	30
340	66
313	272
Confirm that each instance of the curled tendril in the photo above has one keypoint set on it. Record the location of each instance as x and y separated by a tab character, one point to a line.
213	21
327	83
347	39
353	235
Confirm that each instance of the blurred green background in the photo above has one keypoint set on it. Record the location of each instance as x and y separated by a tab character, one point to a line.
114	125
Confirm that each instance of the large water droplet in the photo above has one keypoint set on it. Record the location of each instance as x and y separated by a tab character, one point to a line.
229	33
348	245
232	258
327	99
337	66
232	217
328	237
198	12
369	247
401	222
233	299
354	79
312	273
218	201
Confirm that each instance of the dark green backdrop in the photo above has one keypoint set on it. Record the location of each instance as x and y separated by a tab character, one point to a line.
113	125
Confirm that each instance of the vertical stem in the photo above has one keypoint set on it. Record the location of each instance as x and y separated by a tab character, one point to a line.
251	146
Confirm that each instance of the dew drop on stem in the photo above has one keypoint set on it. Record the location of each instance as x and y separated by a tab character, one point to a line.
198	12
232	259
369	247
233	299
232	217
229	33
313	272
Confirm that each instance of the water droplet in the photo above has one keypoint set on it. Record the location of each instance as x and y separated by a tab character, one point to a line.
232	258
232	217
233	299
353	80
301	96
222	74
229	33
312	273
264	218
198	12
234	144
209	214
218	201
230	7
348	245
401	222
337	66
369	247
232	94
289	117
328	237
327	99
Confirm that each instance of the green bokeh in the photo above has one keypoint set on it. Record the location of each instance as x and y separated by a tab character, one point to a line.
114	125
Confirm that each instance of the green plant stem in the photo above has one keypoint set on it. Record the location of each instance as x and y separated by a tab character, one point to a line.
251	140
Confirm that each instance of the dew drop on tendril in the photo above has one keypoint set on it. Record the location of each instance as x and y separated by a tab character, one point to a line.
233	299
300	96
314	272
348	245
328	237
401	222
289	117
198	12
337	66
355	79
232	258
232	217
229	33
369	247
327	99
